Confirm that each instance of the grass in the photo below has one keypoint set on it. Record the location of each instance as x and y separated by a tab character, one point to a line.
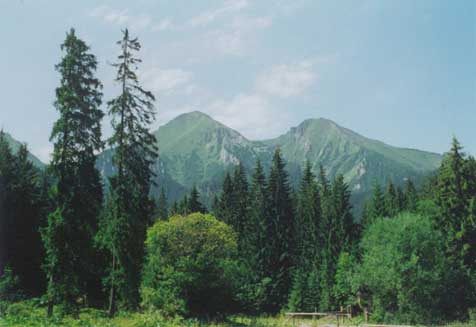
31	314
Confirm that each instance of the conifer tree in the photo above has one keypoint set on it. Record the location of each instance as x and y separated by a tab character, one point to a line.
226	201
307	223
25	250
280	233
377	204
240	209
6	180
194	204
77	193
259	221
411	196
325	236
391	200
162	210
124	224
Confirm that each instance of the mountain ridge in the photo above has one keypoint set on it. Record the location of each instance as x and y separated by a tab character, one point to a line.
197	150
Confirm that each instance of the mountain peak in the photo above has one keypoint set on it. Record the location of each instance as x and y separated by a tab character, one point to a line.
194	115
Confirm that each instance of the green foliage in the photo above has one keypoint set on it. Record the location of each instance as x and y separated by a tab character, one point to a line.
280	235
193	203
22	206
344	285
162	207
190	266
130	210
406	271
10	286
69	262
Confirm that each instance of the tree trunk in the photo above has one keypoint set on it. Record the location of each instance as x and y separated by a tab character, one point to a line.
112	294
49	312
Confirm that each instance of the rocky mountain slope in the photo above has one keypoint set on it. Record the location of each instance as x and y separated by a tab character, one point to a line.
197	150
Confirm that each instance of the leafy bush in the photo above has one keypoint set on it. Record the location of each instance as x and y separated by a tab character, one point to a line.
190	266
9	286
406	271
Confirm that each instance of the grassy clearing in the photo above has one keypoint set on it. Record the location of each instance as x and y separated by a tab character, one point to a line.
30	314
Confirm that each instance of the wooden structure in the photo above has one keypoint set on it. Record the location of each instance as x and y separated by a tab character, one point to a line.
338	315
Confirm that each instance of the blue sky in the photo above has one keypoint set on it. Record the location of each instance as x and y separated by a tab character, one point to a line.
403	72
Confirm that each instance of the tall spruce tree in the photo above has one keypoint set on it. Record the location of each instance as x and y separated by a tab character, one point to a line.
162	210
305	291
6	200
454	195
325	236
280	234
226	201
24	247
77	193
410	196
259	221
391	200
130	208
194	204
240	210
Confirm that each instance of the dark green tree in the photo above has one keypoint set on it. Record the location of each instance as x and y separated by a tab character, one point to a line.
307	223
259	223
411	196
391	200
280	234
193	204
24	247
124	223
162	210
77	194
226	201
240	210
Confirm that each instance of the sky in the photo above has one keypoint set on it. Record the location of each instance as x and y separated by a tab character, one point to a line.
403	72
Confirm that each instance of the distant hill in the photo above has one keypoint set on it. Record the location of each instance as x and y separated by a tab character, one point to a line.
15	145
194	149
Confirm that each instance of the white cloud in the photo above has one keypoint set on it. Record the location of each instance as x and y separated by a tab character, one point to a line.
286	80
165	24
165	80
251	114
121	17
237	38
212	15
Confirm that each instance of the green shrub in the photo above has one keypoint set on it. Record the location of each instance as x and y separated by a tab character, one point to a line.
405	268
190	266
9	286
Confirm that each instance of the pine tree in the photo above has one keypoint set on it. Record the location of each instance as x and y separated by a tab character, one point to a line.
240	210
6	180
307	222
226	201
377	204
259	222
78	191
194	204
391	200
162	210
123	226
174	209
324	277
280	233
411	196
339	237
24	241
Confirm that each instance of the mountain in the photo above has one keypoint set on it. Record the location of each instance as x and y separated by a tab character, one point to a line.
341	151
15	145
196	150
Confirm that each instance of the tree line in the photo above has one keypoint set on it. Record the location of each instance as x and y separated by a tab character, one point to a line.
76	242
